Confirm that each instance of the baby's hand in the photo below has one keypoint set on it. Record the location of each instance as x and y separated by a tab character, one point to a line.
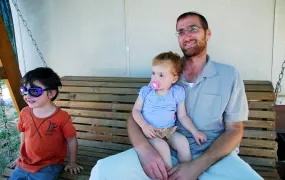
73	168
199	137
149	131
13	164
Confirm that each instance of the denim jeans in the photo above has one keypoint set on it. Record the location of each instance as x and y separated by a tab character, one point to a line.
50	172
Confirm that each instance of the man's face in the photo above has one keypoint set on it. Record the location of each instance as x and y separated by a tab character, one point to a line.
192	37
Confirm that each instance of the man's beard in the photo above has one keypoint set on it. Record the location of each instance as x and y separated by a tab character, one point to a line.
194	51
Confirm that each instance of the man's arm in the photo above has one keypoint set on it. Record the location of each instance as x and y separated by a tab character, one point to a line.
151	161
135	134
220	148
224	145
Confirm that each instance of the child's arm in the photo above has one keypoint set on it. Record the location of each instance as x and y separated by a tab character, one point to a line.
147	129
14	163
72	166
188	124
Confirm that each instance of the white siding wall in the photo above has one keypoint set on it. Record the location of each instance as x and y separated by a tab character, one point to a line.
279	46
120	38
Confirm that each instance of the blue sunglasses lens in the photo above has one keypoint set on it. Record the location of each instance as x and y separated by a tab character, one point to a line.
23	91
34	92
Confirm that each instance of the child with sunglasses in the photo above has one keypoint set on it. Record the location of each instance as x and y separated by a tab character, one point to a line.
156	108
46	130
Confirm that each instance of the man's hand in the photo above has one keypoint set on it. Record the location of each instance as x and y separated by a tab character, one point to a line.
73	168
199	137
13	164
185	171
149	131
152	163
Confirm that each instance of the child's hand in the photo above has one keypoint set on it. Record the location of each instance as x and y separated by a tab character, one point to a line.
73	168
149	131
13	164
199	137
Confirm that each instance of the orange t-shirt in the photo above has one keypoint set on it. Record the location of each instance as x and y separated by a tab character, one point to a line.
45	139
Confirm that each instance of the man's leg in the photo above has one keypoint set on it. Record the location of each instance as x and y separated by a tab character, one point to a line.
231	167
122	166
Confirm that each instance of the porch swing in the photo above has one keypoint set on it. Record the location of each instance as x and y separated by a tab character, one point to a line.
99	107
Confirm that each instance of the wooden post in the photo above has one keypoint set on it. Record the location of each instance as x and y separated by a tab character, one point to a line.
9	68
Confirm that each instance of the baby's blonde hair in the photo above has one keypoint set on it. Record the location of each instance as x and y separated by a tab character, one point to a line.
169	57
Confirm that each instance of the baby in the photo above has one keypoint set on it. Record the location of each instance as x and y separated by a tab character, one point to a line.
160	104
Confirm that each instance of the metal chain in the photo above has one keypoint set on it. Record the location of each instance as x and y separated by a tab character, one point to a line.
278	84
4	119
29	32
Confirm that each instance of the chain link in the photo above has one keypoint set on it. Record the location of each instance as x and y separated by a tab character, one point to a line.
29	32
280	77
4	120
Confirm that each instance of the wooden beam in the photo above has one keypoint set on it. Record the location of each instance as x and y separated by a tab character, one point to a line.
11	67
3	74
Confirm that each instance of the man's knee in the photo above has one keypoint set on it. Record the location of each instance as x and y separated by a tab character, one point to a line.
116	163
122	166
231	166
97	172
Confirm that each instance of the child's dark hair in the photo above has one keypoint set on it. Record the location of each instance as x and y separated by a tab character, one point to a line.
171	57
44	75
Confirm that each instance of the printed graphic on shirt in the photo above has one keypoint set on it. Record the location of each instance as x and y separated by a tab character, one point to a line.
51	128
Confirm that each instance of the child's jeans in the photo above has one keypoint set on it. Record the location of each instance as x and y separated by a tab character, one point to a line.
46	173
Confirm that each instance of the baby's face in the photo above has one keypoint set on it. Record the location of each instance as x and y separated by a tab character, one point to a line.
162	75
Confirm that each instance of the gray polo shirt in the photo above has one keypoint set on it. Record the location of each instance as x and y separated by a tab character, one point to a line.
217	97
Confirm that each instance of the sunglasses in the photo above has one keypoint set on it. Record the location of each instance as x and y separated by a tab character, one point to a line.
34	91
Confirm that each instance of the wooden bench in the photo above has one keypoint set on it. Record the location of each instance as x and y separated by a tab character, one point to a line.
100	106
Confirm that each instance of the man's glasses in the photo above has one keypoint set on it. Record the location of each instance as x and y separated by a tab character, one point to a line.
191	29
34	91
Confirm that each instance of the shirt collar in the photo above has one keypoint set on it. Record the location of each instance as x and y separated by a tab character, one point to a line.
208	71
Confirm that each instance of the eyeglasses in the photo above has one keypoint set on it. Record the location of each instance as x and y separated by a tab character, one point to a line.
34	92
191	29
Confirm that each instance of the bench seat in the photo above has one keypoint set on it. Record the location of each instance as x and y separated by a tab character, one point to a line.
99	107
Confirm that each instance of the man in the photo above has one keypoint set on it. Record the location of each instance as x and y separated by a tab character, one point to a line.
215	101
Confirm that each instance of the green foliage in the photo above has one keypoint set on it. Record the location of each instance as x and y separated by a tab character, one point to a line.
2	83
3	163
14	146
14	136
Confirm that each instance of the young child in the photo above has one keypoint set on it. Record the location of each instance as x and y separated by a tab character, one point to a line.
156	108
46	130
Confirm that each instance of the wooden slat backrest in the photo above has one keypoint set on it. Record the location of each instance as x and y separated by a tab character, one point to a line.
99	107
103	104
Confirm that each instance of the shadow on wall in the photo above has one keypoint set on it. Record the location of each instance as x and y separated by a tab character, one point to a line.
106	72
